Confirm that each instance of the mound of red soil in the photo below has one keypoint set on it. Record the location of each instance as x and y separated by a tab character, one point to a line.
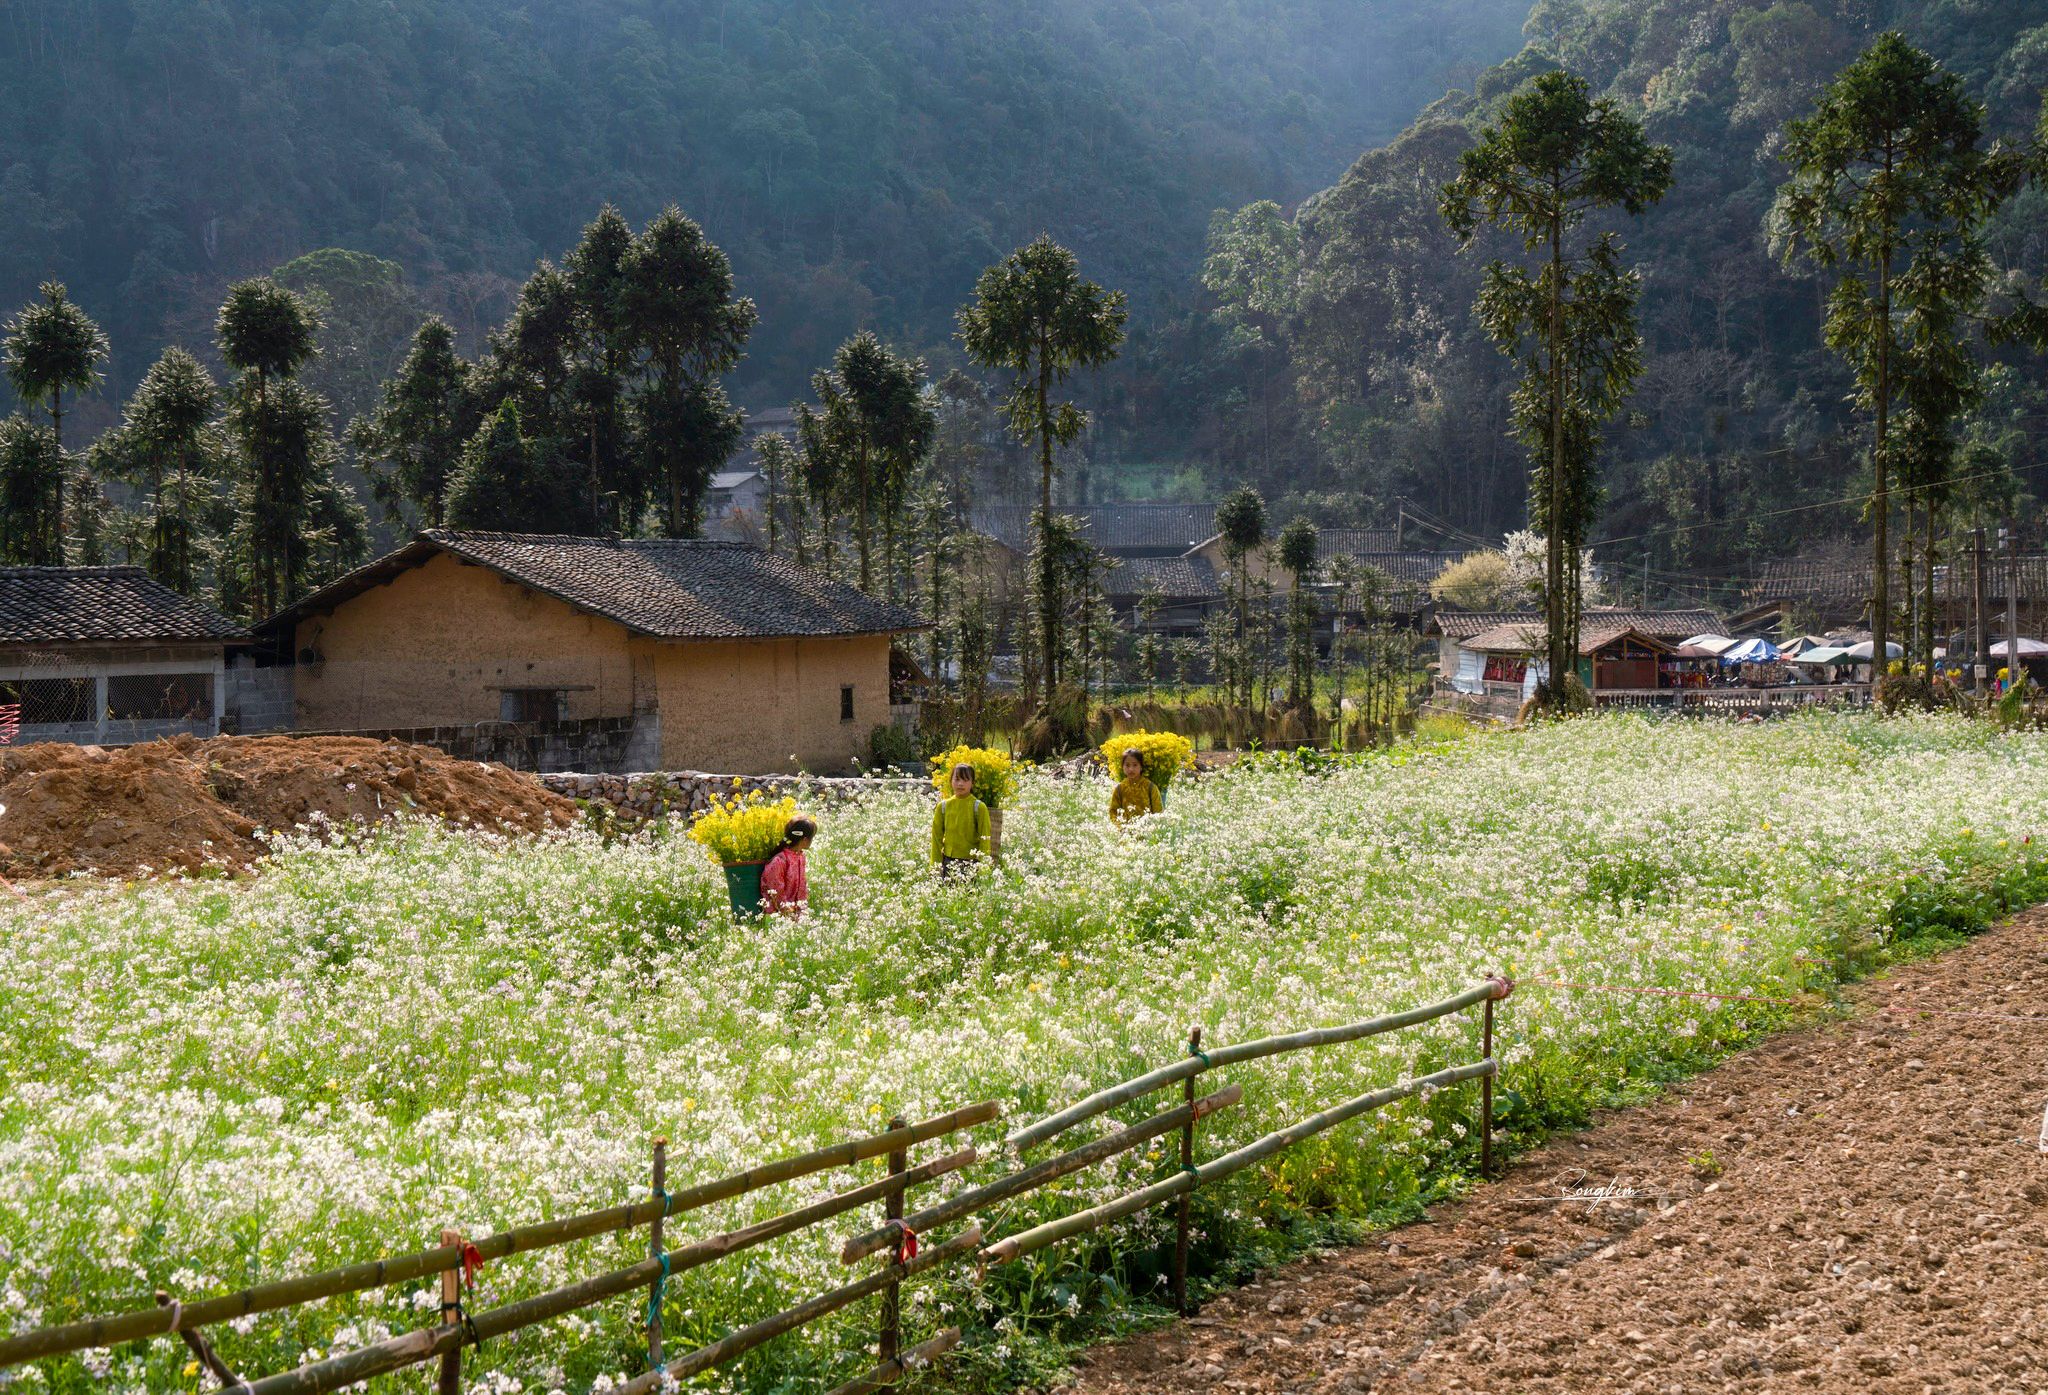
187	804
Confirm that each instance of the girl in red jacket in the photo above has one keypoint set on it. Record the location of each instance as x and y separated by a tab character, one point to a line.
785	881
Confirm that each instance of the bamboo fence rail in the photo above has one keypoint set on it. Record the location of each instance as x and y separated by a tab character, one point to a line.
455	1259
288	1293
1038	1237
1194	1064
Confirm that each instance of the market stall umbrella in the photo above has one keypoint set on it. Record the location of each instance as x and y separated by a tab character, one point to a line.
2029	648
1751	651
1861	653
1825	655
1713	644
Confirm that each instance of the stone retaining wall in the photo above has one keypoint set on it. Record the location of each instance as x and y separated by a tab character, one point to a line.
652	793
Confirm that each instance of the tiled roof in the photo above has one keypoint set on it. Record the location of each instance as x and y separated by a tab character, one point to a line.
1522	638
1423	567
1462	625
85	605
664	588
1354	542
1842	578
1111	527
1177	578
1671	626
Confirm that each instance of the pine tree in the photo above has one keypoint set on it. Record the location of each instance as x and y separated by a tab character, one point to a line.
52	347
1554	157
267	334
679	314
173	460
1888	189
1241	520
1034	315
1298	548
425	416
31	485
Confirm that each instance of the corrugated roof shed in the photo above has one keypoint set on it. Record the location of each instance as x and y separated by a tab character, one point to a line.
660	587
101	605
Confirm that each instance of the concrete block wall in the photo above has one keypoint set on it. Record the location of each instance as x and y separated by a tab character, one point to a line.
259	700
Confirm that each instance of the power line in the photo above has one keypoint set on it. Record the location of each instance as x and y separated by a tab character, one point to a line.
1900	490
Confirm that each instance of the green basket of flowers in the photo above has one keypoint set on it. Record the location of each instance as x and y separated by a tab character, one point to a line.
740	834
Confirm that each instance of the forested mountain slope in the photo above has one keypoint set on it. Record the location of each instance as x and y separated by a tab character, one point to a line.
1373	382
861	161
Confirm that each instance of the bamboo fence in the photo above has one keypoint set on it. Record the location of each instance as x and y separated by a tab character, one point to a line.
455	1259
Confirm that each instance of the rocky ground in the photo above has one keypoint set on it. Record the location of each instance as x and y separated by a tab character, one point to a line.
1862	1206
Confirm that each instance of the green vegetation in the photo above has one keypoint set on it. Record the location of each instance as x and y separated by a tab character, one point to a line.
861	163
208	1084
1373	379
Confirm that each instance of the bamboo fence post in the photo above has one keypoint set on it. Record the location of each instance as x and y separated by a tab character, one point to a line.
892	1210
198	1345
656	1252
450	1382
1187	1162
1486	1099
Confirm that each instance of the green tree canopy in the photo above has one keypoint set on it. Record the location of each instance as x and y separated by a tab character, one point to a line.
1035	316
1888	188
1553	157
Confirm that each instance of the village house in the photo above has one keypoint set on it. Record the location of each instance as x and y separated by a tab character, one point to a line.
106	656
1471	644
1830	590
695	654
1183	588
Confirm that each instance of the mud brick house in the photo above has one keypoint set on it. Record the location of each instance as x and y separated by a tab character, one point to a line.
709	655
106	656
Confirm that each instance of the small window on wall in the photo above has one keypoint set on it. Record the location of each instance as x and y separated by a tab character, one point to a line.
532	704
846	703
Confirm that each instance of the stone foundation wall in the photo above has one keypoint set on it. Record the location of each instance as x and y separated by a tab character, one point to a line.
598	743
653	793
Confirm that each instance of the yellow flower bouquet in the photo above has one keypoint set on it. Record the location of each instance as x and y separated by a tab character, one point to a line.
995	774
1164	753
737	831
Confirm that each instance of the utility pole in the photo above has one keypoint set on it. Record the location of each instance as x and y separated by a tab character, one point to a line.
1646	578
1400	525
1982	670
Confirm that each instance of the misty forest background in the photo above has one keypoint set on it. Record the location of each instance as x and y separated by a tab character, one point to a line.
861	164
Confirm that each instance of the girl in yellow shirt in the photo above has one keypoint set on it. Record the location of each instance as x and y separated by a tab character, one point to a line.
1136	795
960	825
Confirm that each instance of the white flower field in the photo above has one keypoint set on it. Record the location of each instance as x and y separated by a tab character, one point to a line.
208	1084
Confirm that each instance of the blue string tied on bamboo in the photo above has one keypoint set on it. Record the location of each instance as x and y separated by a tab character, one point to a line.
654	1299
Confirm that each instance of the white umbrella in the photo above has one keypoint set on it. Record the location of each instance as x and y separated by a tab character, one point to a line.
2028	648
1861	653
1713	644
